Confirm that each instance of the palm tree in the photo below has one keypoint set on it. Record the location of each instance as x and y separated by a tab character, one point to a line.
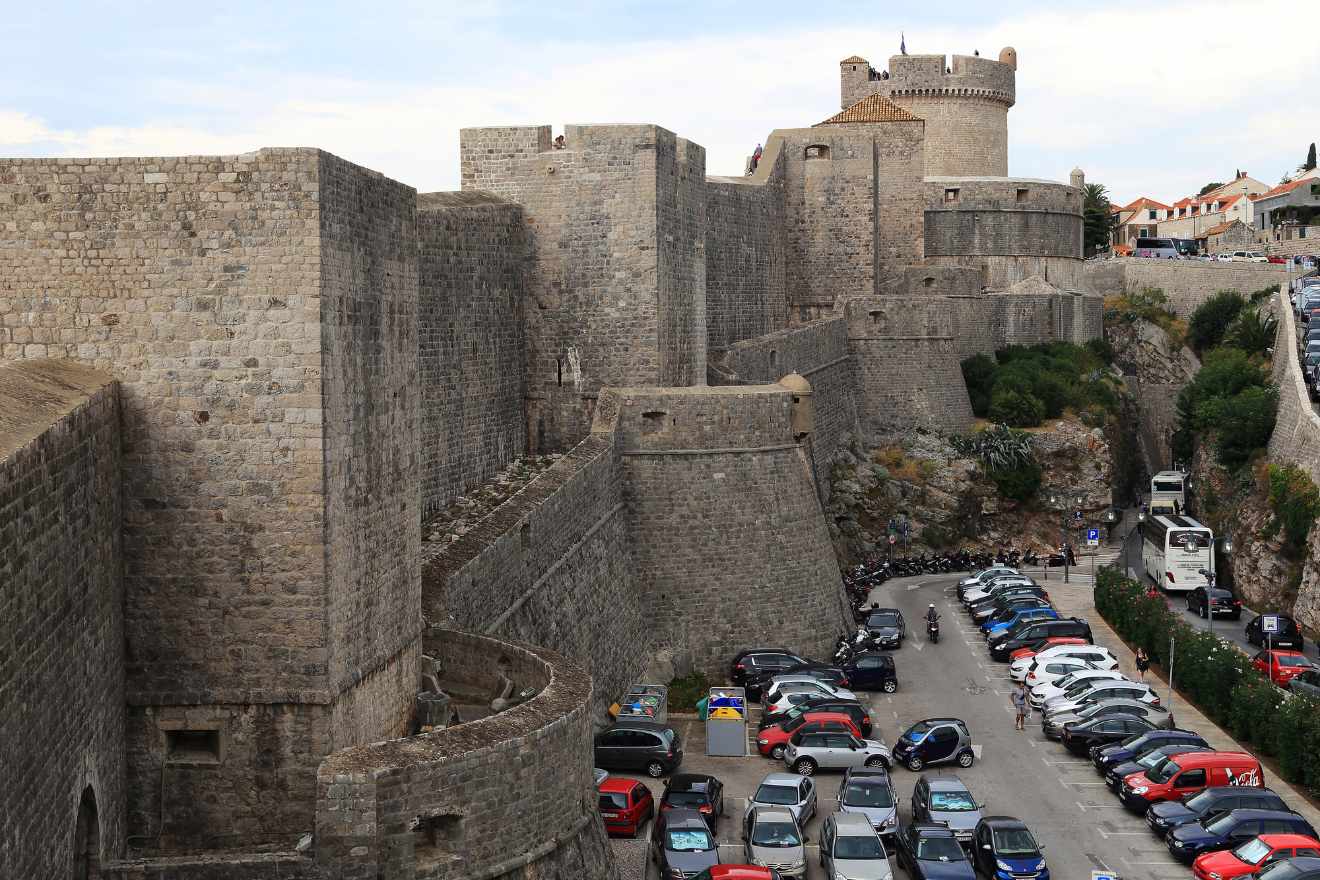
1097	217
1252	331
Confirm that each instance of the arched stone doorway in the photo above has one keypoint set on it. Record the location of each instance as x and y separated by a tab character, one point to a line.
87	839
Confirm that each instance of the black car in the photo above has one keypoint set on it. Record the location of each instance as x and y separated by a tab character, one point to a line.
1004	644
935	741
757	683
1164	816
1287	635
1078	737
695	791
653	748
1007	840
860	715
755	661
1206	601
1135	747
1292	869
1227	830
887	625
1006	612
931	852
1007	594
871	671
1116	773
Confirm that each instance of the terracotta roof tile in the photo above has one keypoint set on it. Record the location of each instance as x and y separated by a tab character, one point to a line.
853	59
1222	227
872	108
1286	187
1145	202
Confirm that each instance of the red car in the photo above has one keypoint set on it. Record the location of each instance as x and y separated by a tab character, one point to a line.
1049	643
772	741
737	872
1282	666
625	805
1253	855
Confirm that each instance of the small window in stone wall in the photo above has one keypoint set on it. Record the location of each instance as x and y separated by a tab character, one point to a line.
525	535
817	151
1022	194
951	194
774	357
437	838
559	371
192	746
653	422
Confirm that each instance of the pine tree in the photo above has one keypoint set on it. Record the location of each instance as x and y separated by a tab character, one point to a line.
1310	158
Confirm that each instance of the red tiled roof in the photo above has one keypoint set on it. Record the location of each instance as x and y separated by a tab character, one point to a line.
872	108
1286	187
1222	227
1144	202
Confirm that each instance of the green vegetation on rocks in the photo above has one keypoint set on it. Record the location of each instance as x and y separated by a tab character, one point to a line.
1295	501
1211	320
1231	401
1023	385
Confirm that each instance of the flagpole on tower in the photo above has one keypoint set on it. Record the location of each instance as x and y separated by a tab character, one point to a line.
902	43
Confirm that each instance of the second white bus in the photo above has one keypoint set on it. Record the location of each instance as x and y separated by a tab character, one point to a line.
1167	489
1177	552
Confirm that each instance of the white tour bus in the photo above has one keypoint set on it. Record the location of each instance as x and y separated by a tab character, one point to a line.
1166	489
1176	550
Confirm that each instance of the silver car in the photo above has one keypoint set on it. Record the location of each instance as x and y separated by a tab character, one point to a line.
1307	682
1099	691
773	839
985	574
868	791
1052	725
795	793
785	695
829	750
850	848
945	800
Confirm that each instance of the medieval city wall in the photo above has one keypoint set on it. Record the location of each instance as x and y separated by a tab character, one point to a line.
470	333
61	617
554	566
1187	283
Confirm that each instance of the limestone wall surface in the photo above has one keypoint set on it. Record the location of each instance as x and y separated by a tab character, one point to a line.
553	565
406	809
61	617
470	332
1187	283
721	504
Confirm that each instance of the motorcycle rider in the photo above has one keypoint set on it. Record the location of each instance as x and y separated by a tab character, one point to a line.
932	620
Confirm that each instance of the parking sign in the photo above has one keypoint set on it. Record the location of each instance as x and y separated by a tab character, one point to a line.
1093	537
1269	623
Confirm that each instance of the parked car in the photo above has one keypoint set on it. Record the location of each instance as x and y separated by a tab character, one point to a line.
738	872
1052	725
1006	643
682	844
946	800
871	671
1282	666
887	625
1047	671
761	681
1291	869
772	741
639	745
935	741
1116	773
1134	748
834	751
695	791
1306	682
869	792
1254	855
784	695
931	852
1095	690
860	714
788	790
987	590
755	661
1099	657
1216	601
1037	647
1018	617
1228	830
1003	848
625	805
984	576
1187	774
1164	817
1046	691
850	848
772	838
1004	604
1080	736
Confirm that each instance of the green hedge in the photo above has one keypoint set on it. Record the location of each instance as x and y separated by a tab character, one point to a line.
1217	677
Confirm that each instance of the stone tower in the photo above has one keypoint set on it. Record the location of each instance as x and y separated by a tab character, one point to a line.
964	104
1077	178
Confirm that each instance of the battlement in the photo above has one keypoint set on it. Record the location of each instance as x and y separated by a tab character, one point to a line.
962	76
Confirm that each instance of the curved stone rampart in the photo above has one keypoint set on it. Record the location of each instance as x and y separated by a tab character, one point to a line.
508	796
1296	437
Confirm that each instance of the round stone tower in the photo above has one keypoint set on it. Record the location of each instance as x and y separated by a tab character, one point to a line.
965	105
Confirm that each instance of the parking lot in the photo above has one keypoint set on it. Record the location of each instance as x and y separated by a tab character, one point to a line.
1081	825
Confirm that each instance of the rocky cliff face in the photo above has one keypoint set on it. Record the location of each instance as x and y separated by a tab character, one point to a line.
1144	350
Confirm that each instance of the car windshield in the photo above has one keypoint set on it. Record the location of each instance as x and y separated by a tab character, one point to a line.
859	848
1148	761
1163	771
868	794
1292	660
613	801
882	618
1252	852
776	794
918	731
940	849
951	801
689	840
1222	825
686	798
781	834
1201	801
1015	843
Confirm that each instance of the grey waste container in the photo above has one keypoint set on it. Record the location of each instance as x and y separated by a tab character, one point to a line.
726	722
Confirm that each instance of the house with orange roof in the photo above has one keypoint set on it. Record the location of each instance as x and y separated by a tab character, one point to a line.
1137	219
1295	203
1192	216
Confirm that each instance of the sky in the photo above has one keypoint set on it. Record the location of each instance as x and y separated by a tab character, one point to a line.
1154	99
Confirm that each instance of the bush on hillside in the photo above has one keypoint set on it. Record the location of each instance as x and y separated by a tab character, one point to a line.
1242	423
1252	332
996	447
1059	376
1148	304
1210	321
1231	399
1019	483
1295	501
1017	409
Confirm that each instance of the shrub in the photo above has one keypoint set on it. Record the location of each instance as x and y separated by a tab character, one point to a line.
1020	483
1102	349
1211	319
979	374
1059	375
684	692
1295	501
1244	423
1018	409
999	446
1229	397
1252	332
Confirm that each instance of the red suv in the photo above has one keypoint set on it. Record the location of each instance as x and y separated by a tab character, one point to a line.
625	805
772	741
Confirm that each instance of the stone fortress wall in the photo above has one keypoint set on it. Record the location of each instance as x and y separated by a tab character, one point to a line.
1187	283
62	620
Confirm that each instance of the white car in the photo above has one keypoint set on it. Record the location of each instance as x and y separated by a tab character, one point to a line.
999	584
1041	694
1104	691
1050	670
784	696
985	574
1098	656
1224	258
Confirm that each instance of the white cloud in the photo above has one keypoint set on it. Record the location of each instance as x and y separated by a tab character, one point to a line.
1151	104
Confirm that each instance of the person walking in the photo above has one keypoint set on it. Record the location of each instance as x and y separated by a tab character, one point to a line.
1020	705
1143	662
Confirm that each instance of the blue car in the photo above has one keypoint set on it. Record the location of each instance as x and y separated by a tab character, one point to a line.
991	628
932	852
1227	830
1004	849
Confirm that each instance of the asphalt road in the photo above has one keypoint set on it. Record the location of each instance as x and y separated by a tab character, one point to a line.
1021	774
